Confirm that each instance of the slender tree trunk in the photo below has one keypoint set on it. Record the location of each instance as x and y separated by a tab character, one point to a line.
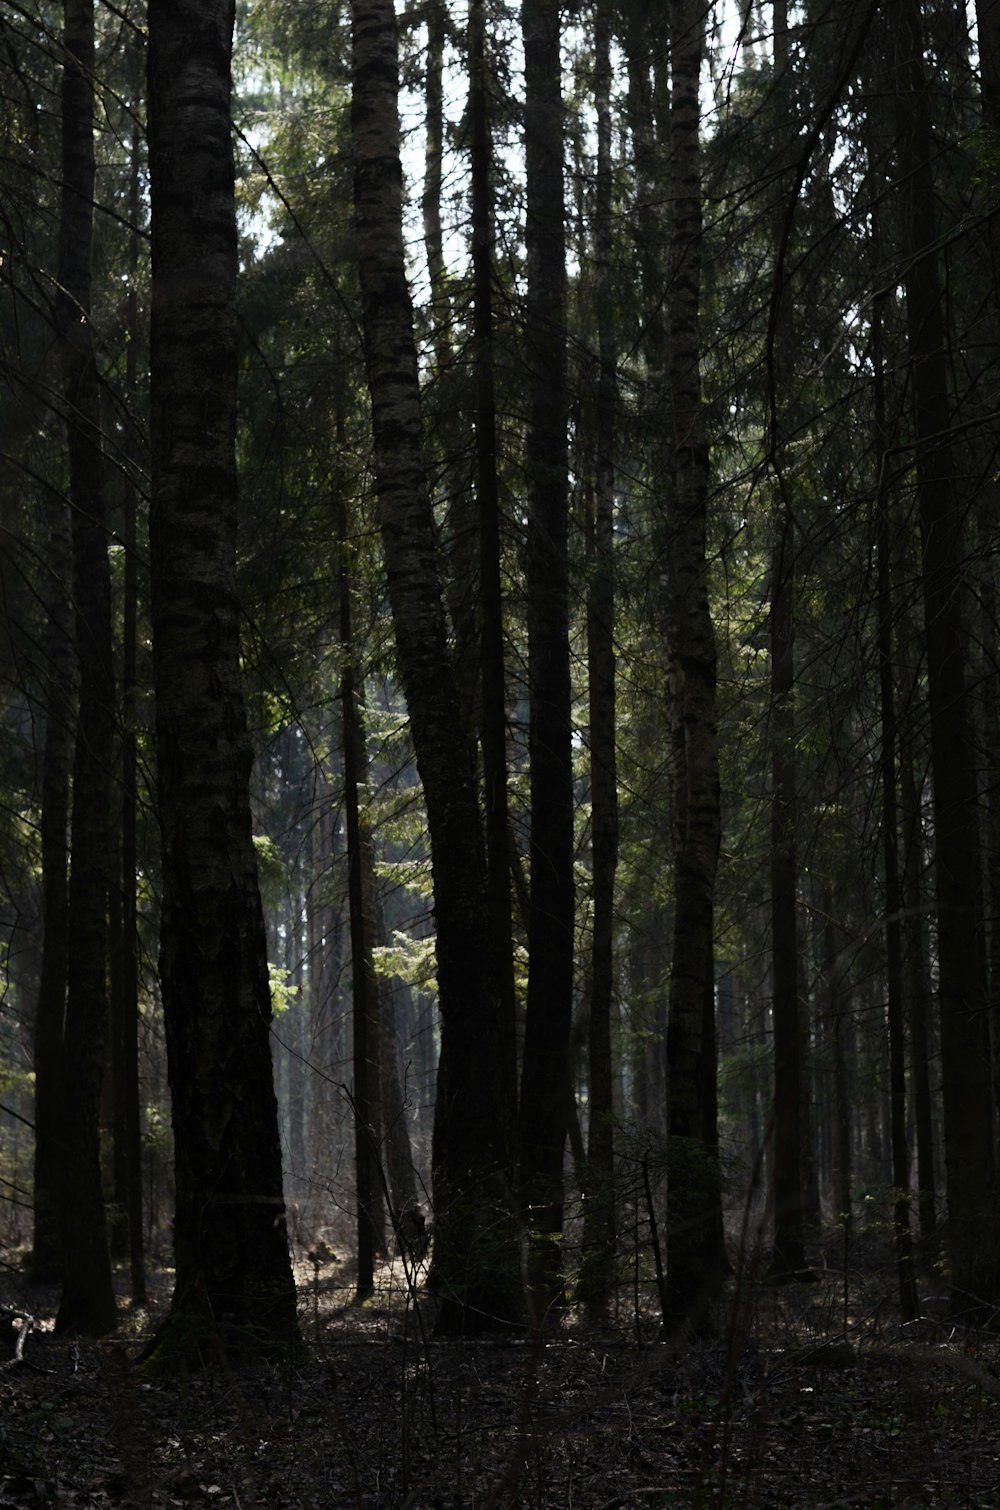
233	1281
57	758
597	1274
970	1155
789	1238
695	1249
840	1034
363	983
475	1236
545	1070
88	1302
129	1089
895	981
988	27
399	1166
789	1229
493	717
449	464
325	967
430	201
988	37
918	990
295	1043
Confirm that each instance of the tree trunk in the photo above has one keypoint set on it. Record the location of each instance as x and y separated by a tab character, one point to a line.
324	969
50	1011
988	26
399	1166
493	716
895	980
364	987
233	1281
88	1302
840	1033
918	989
476	1261
545	1070
972	1234
598	1268
789	1231
696	1257
129	1161
789	1239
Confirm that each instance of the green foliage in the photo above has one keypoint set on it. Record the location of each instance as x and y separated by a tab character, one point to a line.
283	994
984	146
408	959
272	873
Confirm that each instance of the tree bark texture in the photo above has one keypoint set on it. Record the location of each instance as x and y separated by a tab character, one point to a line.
789	1236
88	1303
695	1251
545	1069
988	26
50	1010
493	681
599	1230
970	1156
919	990
364	987
233	1273
128	1100
888	741
475	1248
787	1190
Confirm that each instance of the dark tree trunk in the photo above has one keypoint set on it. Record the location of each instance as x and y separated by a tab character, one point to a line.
364	987
476	1262
970	1156
787	1189
430	199
840	1034
789	1239
128	1159
233	1276
545	1069
399	1166
598	1268
88	1302
696	1257
988	25
46	1250
325	948
918	990
895	979
493	716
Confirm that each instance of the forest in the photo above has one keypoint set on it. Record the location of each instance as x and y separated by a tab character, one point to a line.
500	691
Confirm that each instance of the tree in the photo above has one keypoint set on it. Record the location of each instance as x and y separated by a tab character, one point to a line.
233	1276
125	1021
475	1251
597	1268
970	1152
50	1006
493	682
894	973
695	1248
366	1015
548	1014
88	1301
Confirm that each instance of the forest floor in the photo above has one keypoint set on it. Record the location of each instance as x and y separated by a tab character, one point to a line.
808	1397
